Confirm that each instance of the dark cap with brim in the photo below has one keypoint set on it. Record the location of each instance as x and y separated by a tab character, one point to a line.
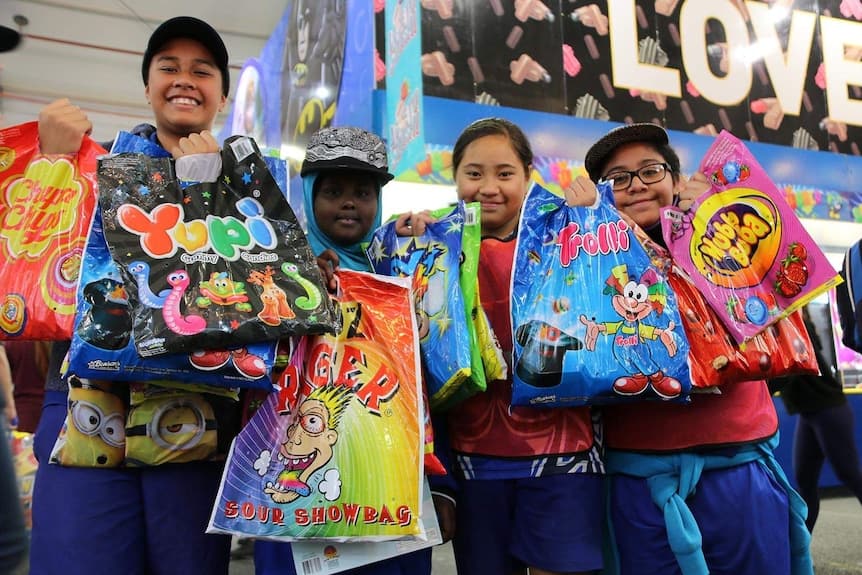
346	148
195	29
600	151
9	39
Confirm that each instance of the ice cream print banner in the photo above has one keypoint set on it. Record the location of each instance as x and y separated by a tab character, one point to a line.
593	320
209	265
336	453
46	206
742	245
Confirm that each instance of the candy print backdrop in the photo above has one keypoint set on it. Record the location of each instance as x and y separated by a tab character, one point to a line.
693	66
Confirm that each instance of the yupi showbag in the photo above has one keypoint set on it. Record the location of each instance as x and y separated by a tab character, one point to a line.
210	265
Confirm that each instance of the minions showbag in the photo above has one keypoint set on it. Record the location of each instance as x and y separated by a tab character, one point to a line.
94	432
593	320
209	265
103	344
112	424
433	261
336	452
46	205
743	246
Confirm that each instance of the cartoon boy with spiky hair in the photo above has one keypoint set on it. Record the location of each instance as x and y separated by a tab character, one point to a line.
310	440
634	302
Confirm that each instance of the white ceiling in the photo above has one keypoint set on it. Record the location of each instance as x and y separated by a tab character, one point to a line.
94	57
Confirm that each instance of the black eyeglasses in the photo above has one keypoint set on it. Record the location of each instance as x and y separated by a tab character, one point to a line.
651	174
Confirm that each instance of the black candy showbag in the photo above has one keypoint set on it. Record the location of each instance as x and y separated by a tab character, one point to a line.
210	265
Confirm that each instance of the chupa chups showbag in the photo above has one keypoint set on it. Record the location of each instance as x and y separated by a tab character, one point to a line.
103	345
336	452
593	321
743	246
209	265
46	205
433	261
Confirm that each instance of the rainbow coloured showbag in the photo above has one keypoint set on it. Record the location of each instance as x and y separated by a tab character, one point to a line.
336	453
46	205
742	245
103	344
593	320
210	265
433	260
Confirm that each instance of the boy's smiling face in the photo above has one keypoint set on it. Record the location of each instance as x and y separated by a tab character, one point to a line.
345	205
184	89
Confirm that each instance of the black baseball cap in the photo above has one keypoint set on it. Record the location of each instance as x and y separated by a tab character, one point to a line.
640	132
9	39
188	27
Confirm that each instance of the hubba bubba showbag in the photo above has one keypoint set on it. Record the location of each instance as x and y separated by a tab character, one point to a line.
46	206
432	260
103	344
593	321
336	452
743	246
209	265
714	357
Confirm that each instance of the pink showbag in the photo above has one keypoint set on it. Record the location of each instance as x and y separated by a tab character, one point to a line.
743	246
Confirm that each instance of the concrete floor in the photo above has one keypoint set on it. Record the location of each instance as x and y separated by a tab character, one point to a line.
836	544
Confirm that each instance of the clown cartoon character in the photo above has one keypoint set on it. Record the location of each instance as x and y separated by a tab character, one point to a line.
634	301
309	444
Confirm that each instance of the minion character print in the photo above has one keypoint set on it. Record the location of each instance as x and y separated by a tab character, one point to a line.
93	434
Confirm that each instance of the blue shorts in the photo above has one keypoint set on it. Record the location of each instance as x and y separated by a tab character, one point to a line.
742	513
271	558
130	521
552	523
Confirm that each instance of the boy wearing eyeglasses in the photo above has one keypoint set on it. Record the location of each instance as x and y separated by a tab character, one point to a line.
694	488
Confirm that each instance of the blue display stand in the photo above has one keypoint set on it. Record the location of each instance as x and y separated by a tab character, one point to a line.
787	426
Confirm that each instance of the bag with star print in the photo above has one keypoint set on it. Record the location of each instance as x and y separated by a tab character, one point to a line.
433	260
210	264
46	206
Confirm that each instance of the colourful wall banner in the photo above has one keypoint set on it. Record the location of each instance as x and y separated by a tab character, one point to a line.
405	135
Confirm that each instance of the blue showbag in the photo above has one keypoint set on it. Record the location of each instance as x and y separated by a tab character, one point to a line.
433	261
594	322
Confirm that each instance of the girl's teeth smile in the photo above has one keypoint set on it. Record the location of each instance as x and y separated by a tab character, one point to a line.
184	101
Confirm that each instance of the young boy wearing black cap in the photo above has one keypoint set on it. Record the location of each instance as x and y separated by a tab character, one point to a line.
151	519
694	489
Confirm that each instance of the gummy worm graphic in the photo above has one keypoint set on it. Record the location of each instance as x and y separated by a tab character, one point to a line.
306	302
176	322
141	272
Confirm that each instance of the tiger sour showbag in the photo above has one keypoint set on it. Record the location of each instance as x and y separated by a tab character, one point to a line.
743	246
210	265
593	321
336	453
46	205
